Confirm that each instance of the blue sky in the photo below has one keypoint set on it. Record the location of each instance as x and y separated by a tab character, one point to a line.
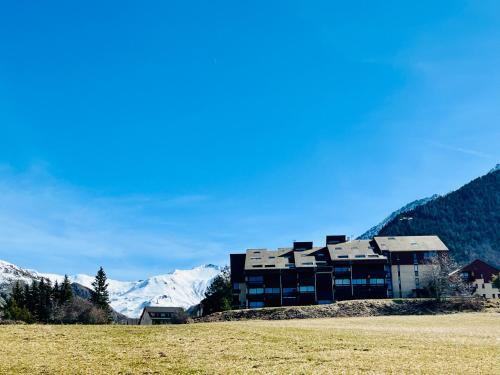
150	136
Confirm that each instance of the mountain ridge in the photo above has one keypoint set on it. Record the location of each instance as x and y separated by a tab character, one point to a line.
184	288
466	219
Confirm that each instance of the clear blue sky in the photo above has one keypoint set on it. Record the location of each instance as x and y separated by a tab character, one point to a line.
147	136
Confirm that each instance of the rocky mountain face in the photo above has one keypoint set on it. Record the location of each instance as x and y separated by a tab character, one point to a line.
184	288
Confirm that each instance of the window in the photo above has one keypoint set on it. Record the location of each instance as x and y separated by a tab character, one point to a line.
307	264
484	295
482	286
358	281
324	301
269	266
255	304
272	290
236	286
255	258
417	282
342	256
416	273
257	266
429	254
289	291
342	282
272	257
342	269
377	281
415	261
255	279
306	289
360	256
255	290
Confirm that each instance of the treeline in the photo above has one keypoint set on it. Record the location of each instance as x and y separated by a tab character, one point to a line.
42	302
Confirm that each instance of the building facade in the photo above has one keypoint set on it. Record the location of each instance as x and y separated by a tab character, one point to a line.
480	275
305	274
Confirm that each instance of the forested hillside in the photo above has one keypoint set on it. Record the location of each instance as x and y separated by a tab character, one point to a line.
467	220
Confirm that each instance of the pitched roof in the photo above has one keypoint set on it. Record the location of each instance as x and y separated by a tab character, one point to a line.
169	309
263	258
480	270
353	250
410	243
282	258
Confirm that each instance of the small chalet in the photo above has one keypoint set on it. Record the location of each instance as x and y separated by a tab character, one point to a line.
481	275
153	315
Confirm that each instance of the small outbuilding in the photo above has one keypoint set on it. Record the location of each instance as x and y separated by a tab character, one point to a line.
153	315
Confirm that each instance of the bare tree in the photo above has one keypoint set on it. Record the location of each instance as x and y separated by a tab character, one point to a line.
445	279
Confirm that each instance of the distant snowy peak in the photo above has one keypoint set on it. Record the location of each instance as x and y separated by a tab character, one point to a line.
184	288
372	232
10	273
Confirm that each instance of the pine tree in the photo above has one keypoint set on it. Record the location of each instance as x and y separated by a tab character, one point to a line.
99	296
218	296
18	294
15	312
56	292
66	293
33	299
44	310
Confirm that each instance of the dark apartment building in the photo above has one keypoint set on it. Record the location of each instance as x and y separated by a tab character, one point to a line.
339	270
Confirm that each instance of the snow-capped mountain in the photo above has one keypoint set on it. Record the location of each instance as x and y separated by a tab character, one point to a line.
184	288
373	231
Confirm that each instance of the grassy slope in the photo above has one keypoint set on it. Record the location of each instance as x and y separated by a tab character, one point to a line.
460	343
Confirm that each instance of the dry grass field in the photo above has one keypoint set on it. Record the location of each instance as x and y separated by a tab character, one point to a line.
442	344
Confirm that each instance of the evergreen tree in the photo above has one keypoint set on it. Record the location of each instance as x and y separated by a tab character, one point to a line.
66	293
99	296
33	299
218	296
13	311
56	292
18	294
44	308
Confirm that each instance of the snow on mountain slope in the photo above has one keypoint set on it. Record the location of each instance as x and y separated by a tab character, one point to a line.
183	288
10	273
373	231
